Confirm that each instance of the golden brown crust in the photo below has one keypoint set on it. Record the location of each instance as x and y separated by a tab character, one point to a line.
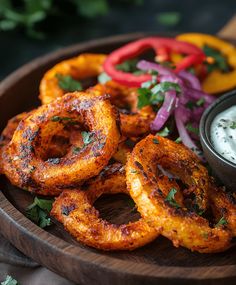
183	227
23	159
73	208
80	67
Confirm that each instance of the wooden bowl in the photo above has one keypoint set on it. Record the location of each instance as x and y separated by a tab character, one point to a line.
156	263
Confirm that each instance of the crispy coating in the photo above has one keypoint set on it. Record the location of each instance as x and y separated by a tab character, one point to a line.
134	122
80	67
73	208
8	132
24	161
179	224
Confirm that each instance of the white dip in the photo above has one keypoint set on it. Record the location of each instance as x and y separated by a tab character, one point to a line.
223	134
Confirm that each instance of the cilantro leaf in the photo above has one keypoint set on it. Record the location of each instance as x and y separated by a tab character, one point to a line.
166	86
220	61
192	129
9	281
221	222
92	8
128	66
67	83
178	140
155	141
169	19
38	211
103	78
60	119
88	137
200	102
144	97
233	125
164	132
171	198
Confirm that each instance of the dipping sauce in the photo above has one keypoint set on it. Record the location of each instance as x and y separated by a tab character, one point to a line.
223	134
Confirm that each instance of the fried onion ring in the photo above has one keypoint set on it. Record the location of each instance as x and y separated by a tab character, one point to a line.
73	208
80	67
24	161
179	224
134	122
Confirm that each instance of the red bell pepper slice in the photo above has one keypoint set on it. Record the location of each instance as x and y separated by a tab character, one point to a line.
161	46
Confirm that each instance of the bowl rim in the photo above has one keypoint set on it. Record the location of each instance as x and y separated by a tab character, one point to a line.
204	137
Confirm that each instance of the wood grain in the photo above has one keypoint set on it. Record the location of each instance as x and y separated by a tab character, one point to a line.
156	263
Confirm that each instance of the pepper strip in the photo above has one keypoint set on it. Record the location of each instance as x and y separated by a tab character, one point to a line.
161	46
217	81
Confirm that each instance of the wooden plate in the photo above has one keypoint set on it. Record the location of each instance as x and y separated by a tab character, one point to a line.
156	263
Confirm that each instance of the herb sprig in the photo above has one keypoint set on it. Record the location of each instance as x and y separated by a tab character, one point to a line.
170	198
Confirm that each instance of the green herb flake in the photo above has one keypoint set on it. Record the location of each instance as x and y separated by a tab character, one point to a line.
67	83
233	125
200	102
190	105
166	86
171	198
60	119
169	19
38	211
192	129
88	137
77	149
103	78
164	133
178	140
155	141
220	61
133	171
221	222
128	66
9	281
205	235
144	97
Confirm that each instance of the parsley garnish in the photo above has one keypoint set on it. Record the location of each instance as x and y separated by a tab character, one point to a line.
169	19
221	222
200	102
155	141
60	119
38	211
233	125
9	281
178	140
103	78
128	66
171	198
133	171
67	83
155	95
192	129
164	133
88	137
220	61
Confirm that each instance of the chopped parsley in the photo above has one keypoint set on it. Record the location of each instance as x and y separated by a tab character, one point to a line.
155	141
128	66
133	171
200	102
164	133
38	211
9	281
220	61
155	95
171	198
67	83
192	129
88	137
178	140
221	222
233	125
60	119
103	78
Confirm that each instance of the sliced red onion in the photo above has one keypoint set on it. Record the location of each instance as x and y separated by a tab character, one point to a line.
165	111
184	135
147	65
189	77
198	94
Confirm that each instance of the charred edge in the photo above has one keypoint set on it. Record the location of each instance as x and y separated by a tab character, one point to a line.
28	182
29	134
26	150
54	160
65	210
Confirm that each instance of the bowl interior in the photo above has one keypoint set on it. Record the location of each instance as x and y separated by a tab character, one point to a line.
221	104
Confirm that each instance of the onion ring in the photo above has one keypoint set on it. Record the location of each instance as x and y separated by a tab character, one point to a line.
134	122
80	67
73	208
24	161
182	226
